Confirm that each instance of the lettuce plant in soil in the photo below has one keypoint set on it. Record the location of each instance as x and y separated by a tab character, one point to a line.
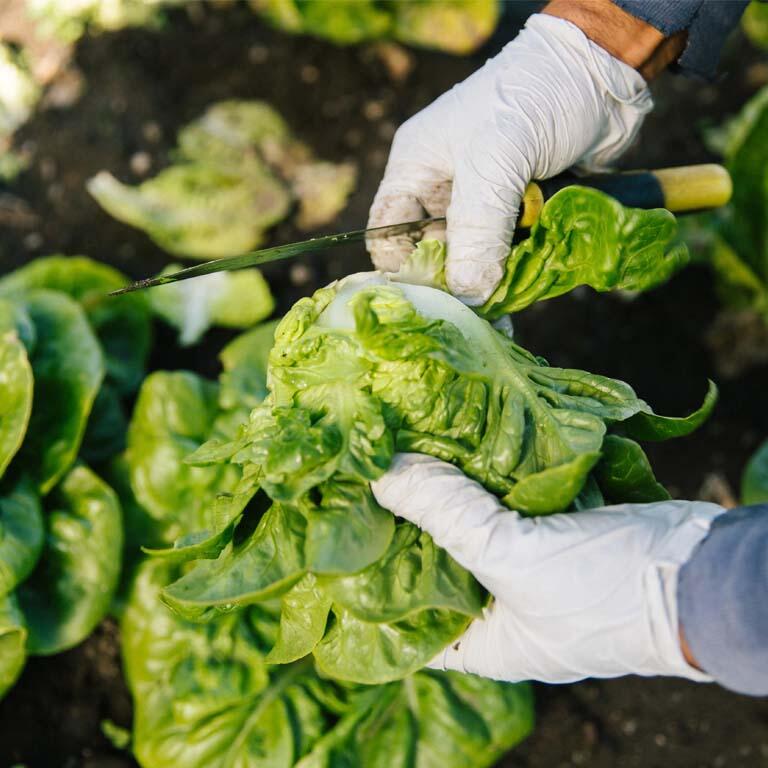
238	170
71	359
736	240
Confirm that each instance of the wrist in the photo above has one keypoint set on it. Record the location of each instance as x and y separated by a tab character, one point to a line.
686	649
627	38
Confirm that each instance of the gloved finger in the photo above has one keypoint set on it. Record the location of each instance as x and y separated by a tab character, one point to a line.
416	184
392	205
482	650
406	197
459	514
487	190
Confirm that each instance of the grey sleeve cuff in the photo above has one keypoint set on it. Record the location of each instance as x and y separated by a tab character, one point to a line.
708	23
722	595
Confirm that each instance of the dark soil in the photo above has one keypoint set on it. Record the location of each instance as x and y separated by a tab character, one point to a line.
140	87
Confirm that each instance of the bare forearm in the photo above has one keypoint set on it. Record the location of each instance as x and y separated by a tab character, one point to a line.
629	39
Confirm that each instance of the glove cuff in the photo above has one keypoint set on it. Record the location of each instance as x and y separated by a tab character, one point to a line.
660	586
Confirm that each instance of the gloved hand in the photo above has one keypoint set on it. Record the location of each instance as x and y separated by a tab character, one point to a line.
550	99
589	594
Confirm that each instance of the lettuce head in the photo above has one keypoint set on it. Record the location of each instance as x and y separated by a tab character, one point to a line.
371	365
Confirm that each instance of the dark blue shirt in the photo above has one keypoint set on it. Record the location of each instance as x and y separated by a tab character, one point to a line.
722	595
707	22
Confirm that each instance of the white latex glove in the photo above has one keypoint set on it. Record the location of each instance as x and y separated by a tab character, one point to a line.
588	594
550	99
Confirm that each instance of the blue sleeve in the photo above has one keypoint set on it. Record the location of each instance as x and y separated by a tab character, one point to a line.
722	595
707	22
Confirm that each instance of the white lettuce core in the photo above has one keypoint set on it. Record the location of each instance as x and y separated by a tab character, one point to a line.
431	303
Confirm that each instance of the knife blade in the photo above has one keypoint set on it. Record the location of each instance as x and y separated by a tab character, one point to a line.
265	255
679	189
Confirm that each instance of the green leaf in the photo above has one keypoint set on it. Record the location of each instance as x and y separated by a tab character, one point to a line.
625	474
230	299
413	575
347	531
755	23
551	490
738	284
197	210
121	323
304	613
204	544
68	369
480	719
21	536
364	652
268	564
458	27
345	23
16	387
243	381
585	237
244	136
107	425
425	265
230	130
13	640
70	591
174	414
754	481
650	426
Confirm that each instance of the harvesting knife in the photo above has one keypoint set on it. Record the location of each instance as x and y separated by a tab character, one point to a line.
682	189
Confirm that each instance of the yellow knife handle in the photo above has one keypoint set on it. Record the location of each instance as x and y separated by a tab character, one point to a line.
680	189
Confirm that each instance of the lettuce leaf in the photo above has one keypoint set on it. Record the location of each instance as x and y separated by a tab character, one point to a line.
122	324
197	210
174	414
23	535
582	237
13	641
230	299
68	368
72	587
16	387
755	23
738	247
